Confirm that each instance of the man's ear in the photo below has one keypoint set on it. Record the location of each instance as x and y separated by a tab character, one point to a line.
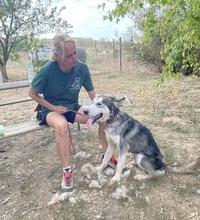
55	54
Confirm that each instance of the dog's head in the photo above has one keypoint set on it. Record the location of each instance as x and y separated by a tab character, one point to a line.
103	108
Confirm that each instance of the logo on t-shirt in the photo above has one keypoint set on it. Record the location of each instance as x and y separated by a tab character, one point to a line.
76	84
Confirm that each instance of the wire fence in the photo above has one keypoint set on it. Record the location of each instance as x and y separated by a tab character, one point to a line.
97	52
115	49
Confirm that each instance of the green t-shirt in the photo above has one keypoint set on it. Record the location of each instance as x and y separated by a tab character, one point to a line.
51	81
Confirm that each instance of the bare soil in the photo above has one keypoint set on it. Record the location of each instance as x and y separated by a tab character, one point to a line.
30	171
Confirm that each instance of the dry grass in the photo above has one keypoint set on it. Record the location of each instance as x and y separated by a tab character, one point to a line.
30	171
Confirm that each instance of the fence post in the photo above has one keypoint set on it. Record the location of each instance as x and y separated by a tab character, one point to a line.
95	47
113	49
120	54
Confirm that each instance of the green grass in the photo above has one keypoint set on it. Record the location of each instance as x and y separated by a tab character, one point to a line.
170	156
25	189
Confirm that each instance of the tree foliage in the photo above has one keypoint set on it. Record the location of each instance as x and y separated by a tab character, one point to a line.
176	22
24	21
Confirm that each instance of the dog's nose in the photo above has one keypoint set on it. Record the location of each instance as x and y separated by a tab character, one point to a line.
85	112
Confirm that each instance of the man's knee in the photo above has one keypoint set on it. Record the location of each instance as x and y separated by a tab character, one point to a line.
61	126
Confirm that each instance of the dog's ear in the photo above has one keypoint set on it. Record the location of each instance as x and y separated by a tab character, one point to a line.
119	102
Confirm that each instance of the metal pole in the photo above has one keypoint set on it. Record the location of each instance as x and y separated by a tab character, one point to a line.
113	49
120	53
95	46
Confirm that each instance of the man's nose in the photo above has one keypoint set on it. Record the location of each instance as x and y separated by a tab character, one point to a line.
74	57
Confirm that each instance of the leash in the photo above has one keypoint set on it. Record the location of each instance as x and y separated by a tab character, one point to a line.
70	138
69	131
78	113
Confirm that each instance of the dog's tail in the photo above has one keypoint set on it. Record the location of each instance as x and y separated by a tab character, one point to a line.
187	168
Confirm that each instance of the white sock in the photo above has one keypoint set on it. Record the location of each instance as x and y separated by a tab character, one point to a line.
66	169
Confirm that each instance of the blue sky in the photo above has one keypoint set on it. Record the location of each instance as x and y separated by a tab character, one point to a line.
87	21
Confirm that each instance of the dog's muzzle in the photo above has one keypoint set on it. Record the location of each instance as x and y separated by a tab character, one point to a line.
92	120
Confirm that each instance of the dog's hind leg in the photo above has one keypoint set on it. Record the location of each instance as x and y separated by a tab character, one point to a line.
144	163
120	165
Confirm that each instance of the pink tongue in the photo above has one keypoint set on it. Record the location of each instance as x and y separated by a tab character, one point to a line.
89	122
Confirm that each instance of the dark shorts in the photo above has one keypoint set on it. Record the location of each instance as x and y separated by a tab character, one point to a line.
70	116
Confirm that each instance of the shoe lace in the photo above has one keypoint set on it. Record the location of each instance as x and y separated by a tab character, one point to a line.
68	178
113	160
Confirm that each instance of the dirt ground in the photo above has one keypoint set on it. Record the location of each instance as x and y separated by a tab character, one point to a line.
30	172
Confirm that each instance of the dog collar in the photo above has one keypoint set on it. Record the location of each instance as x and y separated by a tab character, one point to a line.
112	120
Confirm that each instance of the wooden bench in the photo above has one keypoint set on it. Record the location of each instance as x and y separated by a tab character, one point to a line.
14	85
22	128
15	101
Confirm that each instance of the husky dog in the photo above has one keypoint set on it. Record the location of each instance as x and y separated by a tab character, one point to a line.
127	135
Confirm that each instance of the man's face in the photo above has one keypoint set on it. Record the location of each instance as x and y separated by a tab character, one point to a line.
70	57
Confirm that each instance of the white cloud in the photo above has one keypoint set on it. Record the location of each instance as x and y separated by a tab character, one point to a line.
87	21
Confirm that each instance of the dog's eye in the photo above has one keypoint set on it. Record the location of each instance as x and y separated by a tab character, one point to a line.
99	104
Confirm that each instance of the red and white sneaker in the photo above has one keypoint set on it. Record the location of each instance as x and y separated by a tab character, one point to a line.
112	163
67	182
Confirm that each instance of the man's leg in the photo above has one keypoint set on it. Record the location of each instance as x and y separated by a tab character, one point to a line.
60	124
102	137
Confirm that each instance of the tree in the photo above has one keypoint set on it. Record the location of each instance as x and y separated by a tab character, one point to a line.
176	22
24	21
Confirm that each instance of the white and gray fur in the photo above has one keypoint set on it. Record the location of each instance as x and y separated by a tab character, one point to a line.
126	135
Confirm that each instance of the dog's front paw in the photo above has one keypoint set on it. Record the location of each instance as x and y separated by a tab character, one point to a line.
116	178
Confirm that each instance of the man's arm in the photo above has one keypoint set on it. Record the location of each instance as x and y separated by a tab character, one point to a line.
92	94
40	100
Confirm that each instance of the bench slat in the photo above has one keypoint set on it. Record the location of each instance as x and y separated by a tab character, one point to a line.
14	85
15	101
22	128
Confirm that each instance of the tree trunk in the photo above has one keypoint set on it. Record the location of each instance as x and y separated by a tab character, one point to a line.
3	71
